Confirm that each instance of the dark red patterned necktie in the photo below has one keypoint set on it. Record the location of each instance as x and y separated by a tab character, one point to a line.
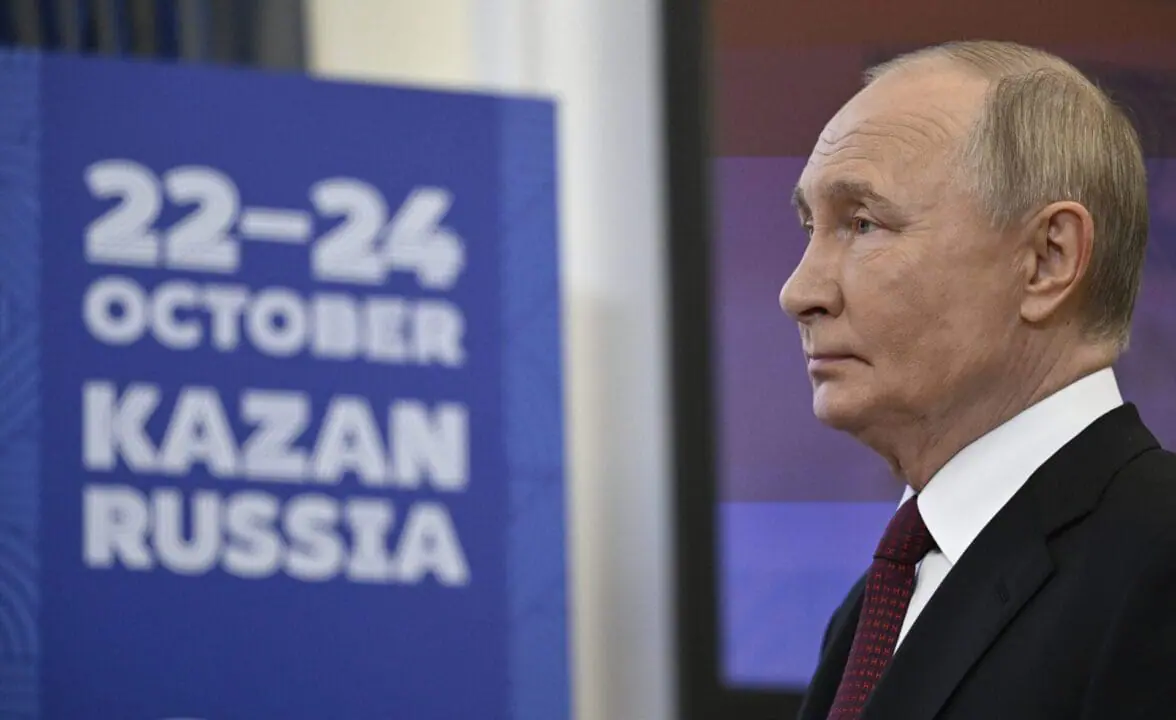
889	587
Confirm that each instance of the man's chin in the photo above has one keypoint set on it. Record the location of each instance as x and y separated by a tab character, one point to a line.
836	410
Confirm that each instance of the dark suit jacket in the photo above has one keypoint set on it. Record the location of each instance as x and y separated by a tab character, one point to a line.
1063	607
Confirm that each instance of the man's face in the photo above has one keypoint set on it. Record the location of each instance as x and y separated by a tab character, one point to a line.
907	301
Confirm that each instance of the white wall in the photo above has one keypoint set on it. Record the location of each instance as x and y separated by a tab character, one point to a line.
600	59
427	41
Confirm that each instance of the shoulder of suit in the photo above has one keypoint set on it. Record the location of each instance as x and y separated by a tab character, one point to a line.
1141	499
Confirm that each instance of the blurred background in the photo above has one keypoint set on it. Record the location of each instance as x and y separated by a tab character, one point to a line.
713	524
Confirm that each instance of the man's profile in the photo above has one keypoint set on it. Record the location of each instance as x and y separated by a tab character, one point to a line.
977	220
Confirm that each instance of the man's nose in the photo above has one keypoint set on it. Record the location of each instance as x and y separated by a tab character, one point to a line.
812	290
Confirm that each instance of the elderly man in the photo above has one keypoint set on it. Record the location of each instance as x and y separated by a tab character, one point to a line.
977	217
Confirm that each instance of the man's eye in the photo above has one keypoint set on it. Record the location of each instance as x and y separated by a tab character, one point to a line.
862	226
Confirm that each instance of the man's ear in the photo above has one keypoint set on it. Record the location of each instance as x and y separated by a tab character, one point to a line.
1061	239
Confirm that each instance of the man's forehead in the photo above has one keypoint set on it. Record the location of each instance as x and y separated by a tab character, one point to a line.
888	135
910	112
938	91
897	133
874	159
858	171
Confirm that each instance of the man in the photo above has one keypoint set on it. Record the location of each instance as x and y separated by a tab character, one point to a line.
977	217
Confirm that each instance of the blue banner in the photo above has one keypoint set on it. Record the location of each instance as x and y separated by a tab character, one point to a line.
280	399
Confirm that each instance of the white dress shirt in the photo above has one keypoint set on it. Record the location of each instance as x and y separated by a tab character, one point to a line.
967	492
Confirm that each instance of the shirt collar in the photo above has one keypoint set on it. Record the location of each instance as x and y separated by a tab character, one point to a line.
968	491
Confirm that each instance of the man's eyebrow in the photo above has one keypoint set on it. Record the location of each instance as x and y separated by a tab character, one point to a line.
847	192
798	200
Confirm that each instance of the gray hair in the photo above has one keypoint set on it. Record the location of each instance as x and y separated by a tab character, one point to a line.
1047	133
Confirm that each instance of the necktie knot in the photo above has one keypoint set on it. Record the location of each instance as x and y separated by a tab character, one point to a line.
907	539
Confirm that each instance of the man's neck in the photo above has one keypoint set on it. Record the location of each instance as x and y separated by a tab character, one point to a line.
918	451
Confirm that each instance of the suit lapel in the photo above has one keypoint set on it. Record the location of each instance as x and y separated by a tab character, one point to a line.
1003	569
977	599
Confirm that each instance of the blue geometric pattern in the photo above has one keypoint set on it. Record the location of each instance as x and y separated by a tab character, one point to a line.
533	414
20	276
